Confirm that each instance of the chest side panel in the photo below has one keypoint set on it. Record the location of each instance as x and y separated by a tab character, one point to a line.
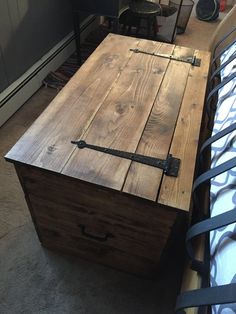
88	220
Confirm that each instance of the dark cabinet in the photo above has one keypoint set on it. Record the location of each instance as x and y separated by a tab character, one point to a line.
111	8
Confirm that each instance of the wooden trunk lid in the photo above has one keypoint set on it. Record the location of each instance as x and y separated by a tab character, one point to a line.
126	101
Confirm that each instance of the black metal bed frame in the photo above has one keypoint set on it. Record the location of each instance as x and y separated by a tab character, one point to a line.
206	296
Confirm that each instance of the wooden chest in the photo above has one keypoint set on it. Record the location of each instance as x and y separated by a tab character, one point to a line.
103	207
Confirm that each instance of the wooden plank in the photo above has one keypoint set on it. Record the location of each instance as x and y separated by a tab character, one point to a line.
58	204
191	279
69	212
47	143
176	192
128	211
51	214
143	180
126	101
121	119
63	242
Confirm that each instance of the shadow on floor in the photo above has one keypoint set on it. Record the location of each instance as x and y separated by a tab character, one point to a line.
35	280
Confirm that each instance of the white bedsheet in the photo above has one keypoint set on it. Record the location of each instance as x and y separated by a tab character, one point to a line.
223	187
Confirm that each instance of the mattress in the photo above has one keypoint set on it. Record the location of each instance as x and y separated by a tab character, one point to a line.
223	187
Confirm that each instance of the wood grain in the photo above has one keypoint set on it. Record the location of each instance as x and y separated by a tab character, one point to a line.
61	241
131	240
142	180
126	210
61	206
47	144
127	101
191	279
176	192
121	119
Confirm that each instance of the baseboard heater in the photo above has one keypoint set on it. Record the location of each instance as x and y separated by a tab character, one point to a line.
14	96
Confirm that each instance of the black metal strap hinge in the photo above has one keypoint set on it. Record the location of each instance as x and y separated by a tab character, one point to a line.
170	165
193	60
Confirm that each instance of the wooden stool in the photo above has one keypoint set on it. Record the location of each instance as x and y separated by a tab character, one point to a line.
147	10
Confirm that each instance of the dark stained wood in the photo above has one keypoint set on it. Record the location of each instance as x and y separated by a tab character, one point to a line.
127	210
63	242
47	143
51	214
142	180
177	192
99	206
121	119
64	205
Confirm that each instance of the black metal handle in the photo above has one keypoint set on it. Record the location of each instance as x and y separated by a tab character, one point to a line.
94	237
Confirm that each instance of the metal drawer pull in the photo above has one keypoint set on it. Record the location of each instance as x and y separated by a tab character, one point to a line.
94	237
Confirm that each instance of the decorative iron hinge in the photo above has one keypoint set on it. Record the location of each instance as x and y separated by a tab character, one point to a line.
193	60
170	165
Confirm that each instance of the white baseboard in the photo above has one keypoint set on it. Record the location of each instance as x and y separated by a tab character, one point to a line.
14	96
